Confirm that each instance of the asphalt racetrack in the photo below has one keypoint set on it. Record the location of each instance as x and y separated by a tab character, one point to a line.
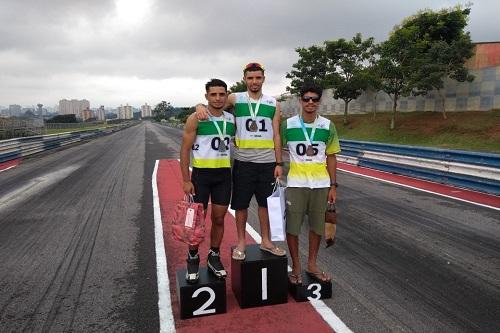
77	248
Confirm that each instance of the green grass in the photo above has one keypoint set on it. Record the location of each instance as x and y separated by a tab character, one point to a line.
475	131
75	129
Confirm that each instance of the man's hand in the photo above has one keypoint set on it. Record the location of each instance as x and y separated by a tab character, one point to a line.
278	171
332	194
201	112
188	188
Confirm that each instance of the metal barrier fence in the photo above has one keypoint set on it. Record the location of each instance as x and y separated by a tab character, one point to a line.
13	149
472	170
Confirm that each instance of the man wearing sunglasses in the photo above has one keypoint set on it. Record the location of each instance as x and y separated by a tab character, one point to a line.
257	155
312	142
208	143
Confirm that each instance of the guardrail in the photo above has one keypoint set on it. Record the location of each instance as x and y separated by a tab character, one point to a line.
13	149
472	170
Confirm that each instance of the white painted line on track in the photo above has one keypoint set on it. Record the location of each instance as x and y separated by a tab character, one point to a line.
418	189
8	168
167	323
324	311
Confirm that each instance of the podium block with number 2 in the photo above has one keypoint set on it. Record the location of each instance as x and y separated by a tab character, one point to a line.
260	279
207	297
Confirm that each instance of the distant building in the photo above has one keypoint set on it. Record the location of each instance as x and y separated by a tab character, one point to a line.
100	113
125	112
87	114
73	106
15	110
146	111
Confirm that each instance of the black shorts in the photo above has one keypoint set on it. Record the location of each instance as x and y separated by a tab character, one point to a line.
252	178
212	183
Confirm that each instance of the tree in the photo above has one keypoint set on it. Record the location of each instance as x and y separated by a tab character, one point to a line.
447	48
312	66
350	67
163	110
422	51
238	87
63	118
184	114
339	64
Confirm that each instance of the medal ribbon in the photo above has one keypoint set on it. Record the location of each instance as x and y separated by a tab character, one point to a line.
309	139
223	132
250	108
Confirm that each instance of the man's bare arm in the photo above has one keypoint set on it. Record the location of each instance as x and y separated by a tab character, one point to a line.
278	170
201	109
331	165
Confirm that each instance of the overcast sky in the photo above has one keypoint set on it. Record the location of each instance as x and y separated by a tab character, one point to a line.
114	52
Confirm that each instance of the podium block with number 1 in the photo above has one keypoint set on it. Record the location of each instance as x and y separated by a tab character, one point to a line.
260	279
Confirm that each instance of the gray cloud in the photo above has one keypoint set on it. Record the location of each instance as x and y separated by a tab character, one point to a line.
89	49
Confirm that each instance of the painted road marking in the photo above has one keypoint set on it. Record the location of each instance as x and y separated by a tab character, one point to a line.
167	324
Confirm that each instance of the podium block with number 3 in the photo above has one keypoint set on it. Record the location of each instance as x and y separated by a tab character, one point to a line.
207	297
260	279
311	289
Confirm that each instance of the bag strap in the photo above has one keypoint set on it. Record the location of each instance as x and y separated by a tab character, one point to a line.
189	198
277	183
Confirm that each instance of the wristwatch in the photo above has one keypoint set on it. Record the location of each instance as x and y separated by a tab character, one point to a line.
335	184
280	164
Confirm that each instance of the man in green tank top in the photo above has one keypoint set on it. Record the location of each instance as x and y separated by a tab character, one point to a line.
208	143
312	142
257	155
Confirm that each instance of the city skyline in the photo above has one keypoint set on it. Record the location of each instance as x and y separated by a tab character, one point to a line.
113	52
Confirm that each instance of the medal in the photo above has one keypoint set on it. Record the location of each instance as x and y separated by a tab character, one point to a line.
310	151
222	145
253	113
309	138
253	126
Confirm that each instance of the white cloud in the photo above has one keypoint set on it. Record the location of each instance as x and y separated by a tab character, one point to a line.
127	51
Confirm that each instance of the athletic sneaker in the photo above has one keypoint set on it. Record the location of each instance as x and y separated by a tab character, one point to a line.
193	265
213	262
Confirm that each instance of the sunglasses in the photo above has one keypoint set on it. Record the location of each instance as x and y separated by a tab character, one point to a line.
254	65
306	99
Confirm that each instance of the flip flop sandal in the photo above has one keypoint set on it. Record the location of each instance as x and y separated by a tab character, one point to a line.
295	277
279	252
238	254
319	276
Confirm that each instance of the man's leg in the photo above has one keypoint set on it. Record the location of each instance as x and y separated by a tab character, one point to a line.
314	241
312	267
264	227
216	234
241	221
217	231
193	265
293	247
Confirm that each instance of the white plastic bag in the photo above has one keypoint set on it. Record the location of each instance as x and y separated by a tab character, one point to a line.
276	210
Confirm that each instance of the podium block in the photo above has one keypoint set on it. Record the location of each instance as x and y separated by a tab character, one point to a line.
260	279
207	297
310	289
